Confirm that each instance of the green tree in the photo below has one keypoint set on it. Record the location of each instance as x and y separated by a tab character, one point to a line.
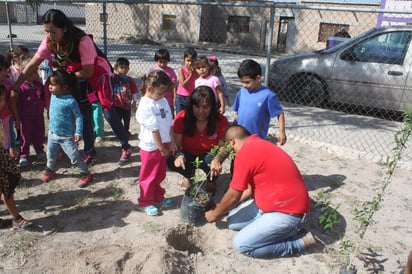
35	4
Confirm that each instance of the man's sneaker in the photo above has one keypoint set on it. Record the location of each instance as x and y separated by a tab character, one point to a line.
85	180
41	157
23	162
47	175
88	159
125	155
308	240
151	210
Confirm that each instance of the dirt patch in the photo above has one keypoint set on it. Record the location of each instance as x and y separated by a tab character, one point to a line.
100	229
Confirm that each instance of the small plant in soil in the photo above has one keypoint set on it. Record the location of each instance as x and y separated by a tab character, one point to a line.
364	214
328	219
197	190
196	199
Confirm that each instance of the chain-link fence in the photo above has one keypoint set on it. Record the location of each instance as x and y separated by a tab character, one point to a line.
344	95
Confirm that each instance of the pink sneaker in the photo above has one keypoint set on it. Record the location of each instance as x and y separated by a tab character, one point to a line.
125	156
88	159
85	180
47	175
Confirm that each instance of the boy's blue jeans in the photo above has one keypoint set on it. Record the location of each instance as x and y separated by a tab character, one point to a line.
265	235
69	146
180	102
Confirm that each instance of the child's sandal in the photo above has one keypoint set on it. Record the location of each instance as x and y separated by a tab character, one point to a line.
21	223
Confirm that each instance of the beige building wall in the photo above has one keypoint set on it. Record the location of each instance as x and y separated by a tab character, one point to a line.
144	21
305	36
197	24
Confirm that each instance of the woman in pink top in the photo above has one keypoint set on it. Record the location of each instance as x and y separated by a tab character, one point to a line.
75	51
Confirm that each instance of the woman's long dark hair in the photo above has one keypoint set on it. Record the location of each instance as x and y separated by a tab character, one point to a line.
200	93
60	20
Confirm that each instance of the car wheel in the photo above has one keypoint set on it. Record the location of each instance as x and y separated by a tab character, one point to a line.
308	90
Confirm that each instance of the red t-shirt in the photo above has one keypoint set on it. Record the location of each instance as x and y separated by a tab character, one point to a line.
276	182
200	142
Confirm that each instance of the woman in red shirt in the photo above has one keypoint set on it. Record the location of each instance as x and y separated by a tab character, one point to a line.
197	129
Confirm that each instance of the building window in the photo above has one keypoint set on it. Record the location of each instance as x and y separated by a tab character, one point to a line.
326	30
169	22
238	24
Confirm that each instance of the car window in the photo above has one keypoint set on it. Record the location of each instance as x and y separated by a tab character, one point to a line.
388	48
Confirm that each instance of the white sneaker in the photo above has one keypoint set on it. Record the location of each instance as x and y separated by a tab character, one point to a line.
98	139
308	240
23	162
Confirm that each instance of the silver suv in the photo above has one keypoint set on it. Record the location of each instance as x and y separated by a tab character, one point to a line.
372	70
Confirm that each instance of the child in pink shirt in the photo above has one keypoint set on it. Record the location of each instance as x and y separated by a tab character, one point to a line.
162	58
31	107
187	76
8	107
207	79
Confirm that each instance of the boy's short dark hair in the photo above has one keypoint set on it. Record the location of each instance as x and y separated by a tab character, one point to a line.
162	54
122	61
249	68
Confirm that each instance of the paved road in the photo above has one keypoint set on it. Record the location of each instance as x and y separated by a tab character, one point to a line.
344	134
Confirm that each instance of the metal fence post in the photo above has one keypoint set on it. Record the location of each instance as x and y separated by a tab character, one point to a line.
269	49
104	28
9	23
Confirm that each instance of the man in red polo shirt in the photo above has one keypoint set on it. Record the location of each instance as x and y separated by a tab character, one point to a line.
274	201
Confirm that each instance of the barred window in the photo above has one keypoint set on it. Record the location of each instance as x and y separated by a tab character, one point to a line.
239	24
327	29
168	22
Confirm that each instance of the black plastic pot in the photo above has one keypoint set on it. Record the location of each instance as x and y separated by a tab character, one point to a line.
191	211
348	269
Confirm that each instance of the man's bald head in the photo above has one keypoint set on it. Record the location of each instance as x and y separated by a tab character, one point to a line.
236	132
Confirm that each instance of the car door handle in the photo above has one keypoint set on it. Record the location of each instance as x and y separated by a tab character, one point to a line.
395	73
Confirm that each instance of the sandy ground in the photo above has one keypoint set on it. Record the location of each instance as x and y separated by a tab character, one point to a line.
100	229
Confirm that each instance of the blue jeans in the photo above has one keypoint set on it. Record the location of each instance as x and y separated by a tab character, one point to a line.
265	235
69	146
180	102
116	124
88	135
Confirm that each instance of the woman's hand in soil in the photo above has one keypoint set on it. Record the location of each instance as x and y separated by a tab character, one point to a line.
180	161
215	168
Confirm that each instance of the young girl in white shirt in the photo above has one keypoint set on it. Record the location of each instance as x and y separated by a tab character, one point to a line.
156	141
